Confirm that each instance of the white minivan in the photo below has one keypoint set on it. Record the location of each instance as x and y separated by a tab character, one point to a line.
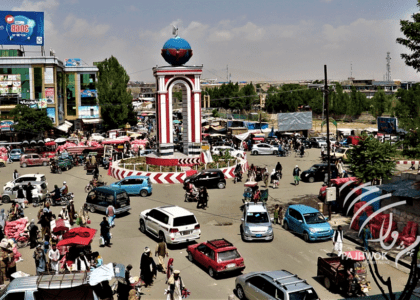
171	223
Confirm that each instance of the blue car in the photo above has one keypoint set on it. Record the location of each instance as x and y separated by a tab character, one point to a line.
308	222
135	185
15	154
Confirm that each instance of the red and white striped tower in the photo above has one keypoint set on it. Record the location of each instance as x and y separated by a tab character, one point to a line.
189	80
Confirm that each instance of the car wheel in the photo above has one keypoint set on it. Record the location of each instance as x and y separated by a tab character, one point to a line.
5	199
92	209
142	226
306	237
60	171
24	165
254	153
212	273
240	292
221	185
67	168
243	236
311	179
275	152
190	257
327	283
286	226
45	163
143	193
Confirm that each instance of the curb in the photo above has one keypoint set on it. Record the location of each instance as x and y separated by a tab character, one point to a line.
400	262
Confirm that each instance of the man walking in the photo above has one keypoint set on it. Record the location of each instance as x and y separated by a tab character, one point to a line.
161	251
365	235
296	172
54	256
105	232
15	175
338	241
40	261
176	286
110	213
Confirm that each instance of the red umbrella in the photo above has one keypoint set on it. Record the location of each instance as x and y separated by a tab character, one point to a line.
77	236
52	143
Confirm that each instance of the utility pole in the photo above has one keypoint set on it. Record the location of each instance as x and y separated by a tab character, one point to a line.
326	91
227	73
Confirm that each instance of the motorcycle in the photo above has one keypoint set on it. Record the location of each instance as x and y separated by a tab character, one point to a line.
91	185
63	200
191	197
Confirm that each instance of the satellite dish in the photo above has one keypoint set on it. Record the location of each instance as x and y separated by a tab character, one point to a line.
175	30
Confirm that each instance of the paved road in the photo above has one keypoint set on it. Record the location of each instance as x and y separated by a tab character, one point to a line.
287	251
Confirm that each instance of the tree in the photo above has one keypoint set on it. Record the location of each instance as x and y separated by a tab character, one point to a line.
372	160
380	103
30	120
114	99
411	30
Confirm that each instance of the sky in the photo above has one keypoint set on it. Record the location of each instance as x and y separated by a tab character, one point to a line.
265	40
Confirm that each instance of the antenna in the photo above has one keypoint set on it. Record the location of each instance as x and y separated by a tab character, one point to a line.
351	69
227	73
388	66
174	30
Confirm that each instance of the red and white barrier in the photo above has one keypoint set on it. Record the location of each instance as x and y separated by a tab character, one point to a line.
407	162
166	177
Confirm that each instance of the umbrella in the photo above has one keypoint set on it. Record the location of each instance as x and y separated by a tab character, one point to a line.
60	140
25	142
40	142
77	236
32	142
47	140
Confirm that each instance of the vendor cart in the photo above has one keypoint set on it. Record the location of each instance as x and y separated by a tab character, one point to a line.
347	273
250	187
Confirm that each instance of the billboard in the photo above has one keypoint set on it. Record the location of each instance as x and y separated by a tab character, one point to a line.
387	125
294	121
22	28
40	103
89	112
72	62
10	84
88	93
49	95
51	113
49	75
6	125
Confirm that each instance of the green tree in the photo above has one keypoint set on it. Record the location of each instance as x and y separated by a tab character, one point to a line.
371	159
30	120
380	103
411	30
114	99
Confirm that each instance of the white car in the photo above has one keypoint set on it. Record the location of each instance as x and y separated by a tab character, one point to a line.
220	150
172	223
25	178
263	148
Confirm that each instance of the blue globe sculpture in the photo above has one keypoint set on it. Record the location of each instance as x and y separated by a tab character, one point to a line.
176	51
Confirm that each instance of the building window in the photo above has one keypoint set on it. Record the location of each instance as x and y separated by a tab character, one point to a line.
71	94
38	83
87	82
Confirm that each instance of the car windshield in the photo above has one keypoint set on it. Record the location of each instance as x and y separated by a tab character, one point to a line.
313	168
122	197
314	218
185	220
257	217
227	255
15	151
43	178
308	294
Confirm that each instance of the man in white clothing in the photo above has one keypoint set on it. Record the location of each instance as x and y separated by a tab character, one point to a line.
338	241
54	256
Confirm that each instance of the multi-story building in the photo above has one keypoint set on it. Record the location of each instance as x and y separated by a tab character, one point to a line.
66	90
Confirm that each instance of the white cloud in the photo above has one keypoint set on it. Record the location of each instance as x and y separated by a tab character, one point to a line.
78	27
37	5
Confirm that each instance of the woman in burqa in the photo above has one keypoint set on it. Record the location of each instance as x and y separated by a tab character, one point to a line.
33	234
3	218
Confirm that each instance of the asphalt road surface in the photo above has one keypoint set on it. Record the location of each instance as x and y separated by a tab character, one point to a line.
287	251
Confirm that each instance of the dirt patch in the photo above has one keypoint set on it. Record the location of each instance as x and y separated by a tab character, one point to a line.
223	224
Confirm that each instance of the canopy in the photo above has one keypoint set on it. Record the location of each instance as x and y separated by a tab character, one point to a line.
60	140
258	139
48	144
32	142
65	126
106	273
77	236
60	225
92	121
25	142
111	142
41	142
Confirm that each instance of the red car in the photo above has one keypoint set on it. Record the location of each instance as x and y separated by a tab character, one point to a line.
33	159
216	256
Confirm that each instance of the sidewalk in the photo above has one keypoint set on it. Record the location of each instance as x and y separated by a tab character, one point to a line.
351	235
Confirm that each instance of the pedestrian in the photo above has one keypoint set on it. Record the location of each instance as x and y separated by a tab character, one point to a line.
340	168
161	251
276	213
110	213
72	212
147	267
338	241
365	235
3	218
29	189
296	172
279	168
281	215
54	256
15	175
64	213
40	261
176	287
105	232
84	215
169	269
202	196
33	234
4	259
266	175
82	263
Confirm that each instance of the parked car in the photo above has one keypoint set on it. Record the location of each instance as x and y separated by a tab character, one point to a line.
39	191
101	197
25	178
264	148
208	178
317	173
135	185
342	153
33	159
318	142
308	222
15	154
217	257
273	285
256	223
172	223
220	150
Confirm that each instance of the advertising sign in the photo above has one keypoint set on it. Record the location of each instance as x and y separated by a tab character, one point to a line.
49	75
51	113
88	93
42	103
10	84
89	112
49	95
6	125
387	125
22	28
72	62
